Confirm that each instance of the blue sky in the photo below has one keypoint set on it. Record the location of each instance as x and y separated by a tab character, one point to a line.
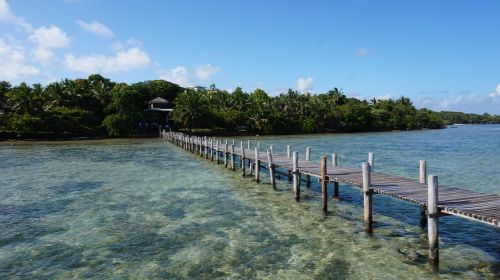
445	54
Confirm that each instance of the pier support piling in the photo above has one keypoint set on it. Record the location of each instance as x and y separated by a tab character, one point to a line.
367	197
296	176
324	193
371	162
308	158
242	161
423	208
271	168
335	184
257	165
225	154
233	158
432	221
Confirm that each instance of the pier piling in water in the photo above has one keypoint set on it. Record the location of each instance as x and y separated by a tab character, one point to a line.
257	165
233	158
422	177
432	221
367	197
335	183
243	157
296	176
308	158
225	154
324	193
271	168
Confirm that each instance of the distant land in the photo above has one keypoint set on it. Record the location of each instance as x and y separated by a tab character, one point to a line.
99	107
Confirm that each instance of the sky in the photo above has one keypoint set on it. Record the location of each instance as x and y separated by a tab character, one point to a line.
444	55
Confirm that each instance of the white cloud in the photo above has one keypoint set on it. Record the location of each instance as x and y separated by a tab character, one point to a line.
204	72
119	45
46	39
96	28
463	102
182	76
361	52
384	97
178	75
13	64
496	93
125	60
49	37
7	16
44	56
305	84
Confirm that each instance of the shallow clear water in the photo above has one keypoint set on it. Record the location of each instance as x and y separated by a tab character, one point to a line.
147	209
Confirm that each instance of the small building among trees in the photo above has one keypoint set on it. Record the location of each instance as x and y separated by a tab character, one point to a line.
157	115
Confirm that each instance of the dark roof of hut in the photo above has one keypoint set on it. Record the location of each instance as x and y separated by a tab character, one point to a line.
158	100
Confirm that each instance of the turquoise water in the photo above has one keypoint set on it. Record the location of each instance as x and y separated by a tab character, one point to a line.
145	209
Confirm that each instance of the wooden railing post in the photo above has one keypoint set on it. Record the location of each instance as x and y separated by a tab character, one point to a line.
289	155
211	149
335	184
257	165
225	154
242	160
371	162
206	147
233	164
432	221
324	192
271	168
218	150
422	177
296	176
308	158
367	197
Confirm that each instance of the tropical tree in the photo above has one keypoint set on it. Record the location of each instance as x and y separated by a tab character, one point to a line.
191	109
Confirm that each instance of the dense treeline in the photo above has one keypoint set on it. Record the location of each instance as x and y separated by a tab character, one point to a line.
96	106
293	112
463	118
82	107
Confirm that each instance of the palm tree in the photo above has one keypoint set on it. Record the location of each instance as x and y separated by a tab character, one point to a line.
190	109
337	97
21	98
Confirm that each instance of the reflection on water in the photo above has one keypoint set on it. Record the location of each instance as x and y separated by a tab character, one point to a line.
146	209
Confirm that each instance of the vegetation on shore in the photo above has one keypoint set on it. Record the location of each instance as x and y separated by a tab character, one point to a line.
96	106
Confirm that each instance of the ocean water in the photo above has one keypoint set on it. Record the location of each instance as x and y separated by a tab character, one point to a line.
145	209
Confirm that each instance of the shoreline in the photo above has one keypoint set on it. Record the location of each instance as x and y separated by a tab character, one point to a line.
205	132
199	132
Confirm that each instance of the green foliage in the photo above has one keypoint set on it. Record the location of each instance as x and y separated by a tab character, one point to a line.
26	124
127	105
309	125
79	106
71	120
463	118
191	110
118	124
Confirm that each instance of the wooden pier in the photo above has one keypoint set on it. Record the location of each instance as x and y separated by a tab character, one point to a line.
481	207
